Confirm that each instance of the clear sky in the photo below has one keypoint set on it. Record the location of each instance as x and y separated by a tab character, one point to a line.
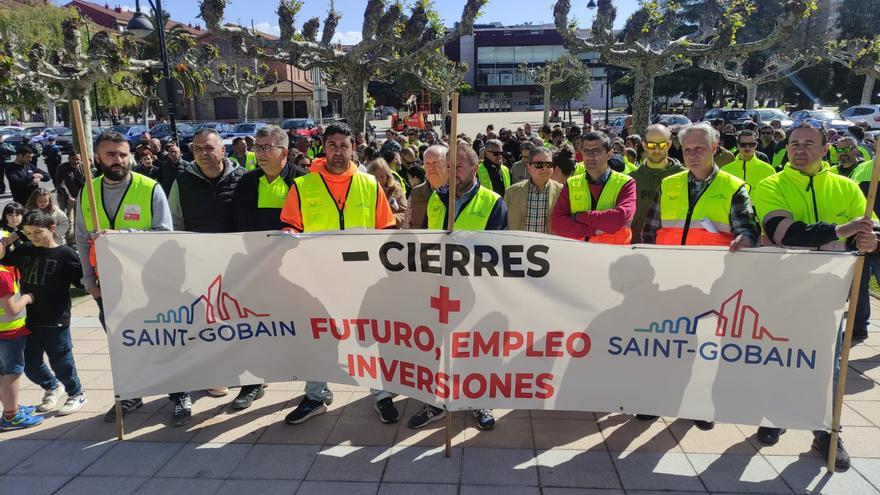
262	12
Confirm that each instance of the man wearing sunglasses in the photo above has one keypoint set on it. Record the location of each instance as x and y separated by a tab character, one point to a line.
597	206
657	166
747	165
847	161
492	173
529	202
808	206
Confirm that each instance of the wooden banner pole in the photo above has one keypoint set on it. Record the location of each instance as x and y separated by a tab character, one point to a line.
86	161
450	221
850	322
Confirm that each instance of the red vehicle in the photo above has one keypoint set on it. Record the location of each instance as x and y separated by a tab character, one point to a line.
415	111
303	127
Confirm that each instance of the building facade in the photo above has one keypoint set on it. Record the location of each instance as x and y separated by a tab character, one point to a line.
493	54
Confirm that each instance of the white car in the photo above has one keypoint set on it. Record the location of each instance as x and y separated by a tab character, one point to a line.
868	113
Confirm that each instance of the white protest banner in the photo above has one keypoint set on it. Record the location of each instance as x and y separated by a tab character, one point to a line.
481	319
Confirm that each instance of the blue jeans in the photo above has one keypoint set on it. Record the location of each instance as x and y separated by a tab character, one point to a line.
317	391
56	343
12	356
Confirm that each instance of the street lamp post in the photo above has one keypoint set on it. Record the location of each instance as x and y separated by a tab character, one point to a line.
141	26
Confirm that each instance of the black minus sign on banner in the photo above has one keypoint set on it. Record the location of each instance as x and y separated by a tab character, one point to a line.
356	256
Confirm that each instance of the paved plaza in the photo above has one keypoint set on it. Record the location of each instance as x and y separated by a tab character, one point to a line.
348	451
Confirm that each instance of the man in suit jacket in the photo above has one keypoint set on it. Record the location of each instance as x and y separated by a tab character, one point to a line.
530	202
434	160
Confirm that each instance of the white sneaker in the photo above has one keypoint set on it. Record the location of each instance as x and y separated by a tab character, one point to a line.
50	399
72	405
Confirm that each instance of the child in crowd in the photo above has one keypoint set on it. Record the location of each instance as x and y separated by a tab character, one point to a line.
13	337
11	224
48	270
41	199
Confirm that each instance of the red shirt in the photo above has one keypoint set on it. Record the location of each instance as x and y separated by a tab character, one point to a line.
7	288
586	223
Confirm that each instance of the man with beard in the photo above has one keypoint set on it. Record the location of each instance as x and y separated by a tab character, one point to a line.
334	195
125	201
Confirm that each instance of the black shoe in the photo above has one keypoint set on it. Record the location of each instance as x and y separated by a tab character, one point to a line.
704	425
485	419
428	414
387	412
306	409
247	395
822	443
769	436
128	405
181	410
646	417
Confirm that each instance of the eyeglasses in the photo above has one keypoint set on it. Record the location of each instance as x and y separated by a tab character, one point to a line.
815	124
490	152
768	133
746	145
203	149
651	145
265	148
541	165
844	150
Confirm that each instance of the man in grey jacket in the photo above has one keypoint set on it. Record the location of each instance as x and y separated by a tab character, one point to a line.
114	188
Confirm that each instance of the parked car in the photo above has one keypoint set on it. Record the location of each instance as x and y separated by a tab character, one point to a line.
223	129
868	113
184	131
26	136
735	116
671	119
830	118
64	138
766	115
304	127
616	126
10	130
246	129
131	132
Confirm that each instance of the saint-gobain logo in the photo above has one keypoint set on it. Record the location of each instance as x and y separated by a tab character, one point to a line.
218	306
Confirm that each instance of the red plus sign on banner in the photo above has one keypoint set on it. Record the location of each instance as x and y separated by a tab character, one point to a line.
444	305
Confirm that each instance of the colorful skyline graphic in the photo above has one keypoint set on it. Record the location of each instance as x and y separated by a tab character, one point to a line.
217	307
730	320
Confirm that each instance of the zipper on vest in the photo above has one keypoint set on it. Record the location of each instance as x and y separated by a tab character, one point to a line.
811	187
338	209
744	170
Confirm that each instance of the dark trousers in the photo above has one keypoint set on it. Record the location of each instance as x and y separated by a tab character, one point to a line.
58	346
173	397
863	306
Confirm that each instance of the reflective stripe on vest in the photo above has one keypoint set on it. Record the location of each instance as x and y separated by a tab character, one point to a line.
707	223
485	181
320	211
17	320
250	161
474	215
580	199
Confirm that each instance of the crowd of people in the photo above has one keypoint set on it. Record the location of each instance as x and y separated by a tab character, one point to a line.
701	184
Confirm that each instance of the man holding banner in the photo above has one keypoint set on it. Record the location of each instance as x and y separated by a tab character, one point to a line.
808	206
136	203
599	205
336	196
476	208
702	206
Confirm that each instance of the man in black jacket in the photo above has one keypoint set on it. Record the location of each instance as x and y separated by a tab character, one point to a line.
24	177
171	166
256	206
200	200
